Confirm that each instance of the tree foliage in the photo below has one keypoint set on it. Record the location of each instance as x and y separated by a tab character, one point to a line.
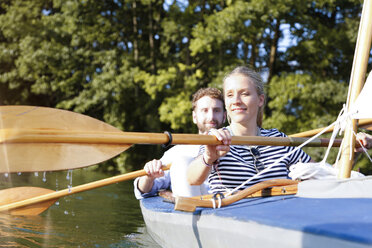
136	63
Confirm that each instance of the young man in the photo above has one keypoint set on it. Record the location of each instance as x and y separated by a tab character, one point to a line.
207	112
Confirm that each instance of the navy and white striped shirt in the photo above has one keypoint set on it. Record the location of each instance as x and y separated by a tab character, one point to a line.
238	165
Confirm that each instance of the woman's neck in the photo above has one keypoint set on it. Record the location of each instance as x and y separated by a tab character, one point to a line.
244	130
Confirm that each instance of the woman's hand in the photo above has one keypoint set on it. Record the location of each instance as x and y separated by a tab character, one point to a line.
213	152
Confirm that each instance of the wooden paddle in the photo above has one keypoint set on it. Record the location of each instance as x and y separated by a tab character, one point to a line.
364	124
35	156
46	139
189	204
35	200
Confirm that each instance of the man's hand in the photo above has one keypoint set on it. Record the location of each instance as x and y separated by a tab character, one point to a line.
154	169
365	140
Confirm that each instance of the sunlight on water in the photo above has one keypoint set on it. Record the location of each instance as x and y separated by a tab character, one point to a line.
104	217
20	231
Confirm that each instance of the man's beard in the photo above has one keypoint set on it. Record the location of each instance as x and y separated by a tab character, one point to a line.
204	128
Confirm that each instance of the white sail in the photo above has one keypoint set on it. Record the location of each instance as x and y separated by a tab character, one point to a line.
362	107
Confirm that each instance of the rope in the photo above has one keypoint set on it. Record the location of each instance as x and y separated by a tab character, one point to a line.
324	170
363	147
342	120
218	196
282	158
336	129
214	203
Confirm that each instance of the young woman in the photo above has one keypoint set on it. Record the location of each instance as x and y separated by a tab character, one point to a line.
230	166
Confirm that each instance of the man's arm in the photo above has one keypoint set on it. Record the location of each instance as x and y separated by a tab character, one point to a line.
155	180
154	170
365	139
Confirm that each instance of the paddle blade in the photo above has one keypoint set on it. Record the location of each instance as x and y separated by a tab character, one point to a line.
31	157
17	194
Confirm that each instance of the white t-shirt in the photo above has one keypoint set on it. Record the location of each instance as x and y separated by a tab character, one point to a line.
180	157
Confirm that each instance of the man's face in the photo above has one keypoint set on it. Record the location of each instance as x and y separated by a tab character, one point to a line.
209	113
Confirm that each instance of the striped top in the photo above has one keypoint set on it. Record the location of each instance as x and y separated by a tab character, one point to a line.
243	162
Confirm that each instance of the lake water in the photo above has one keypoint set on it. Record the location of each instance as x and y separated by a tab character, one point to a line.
104	217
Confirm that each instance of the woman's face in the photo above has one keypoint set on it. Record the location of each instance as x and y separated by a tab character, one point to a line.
241	99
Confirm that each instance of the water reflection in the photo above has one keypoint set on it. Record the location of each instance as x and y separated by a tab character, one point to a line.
103	217
20	231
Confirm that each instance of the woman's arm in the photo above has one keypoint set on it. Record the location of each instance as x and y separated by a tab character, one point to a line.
201	166
198	171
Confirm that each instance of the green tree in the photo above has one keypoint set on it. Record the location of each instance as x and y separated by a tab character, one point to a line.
136	63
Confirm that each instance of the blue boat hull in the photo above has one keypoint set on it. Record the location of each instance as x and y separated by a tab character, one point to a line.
281	221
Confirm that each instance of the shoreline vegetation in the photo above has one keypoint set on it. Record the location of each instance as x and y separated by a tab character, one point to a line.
135	64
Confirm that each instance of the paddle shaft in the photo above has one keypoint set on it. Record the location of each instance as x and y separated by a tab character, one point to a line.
115	138
74	190
364	123
46	139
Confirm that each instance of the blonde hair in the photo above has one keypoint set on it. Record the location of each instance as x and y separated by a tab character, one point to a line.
256	79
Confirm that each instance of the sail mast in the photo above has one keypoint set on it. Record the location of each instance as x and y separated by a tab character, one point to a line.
357	78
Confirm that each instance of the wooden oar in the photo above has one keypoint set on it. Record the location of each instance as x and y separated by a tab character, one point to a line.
34	200
190	204
35	136
46	139
19	194
364	124
36	156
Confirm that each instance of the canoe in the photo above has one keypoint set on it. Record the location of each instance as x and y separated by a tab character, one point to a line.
278	221
330	214
323	213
